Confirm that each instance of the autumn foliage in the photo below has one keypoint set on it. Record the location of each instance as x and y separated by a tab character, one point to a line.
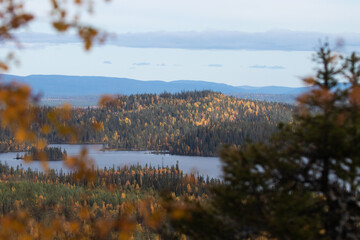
120	203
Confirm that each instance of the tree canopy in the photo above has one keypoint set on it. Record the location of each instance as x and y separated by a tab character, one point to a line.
304	183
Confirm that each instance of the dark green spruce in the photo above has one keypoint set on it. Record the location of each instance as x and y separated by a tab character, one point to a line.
51	153
304	182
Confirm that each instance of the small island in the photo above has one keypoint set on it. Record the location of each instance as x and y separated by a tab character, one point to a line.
52	154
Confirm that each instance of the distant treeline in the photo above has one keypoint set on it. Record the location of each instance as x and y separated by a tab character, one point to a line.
187	123
127	178
48	153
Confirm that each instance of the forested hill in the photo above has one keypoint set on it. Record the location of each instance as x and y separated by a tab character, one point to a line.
189	123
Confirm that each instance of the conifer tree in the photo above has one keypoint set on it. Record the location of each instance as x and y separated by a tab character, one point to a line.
304	183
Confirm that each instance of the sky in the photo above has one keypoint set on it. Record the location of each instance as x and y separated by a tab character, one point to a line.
237	42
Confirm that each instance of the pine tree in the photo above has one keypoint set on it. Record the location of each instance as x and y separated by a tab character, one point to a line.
304	183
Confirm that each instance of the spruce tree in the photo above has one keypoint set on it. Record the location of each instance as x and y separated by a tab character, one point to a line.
304	183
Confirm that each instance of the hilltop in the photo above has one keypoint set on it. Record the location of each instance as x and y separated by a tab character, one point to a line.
187	123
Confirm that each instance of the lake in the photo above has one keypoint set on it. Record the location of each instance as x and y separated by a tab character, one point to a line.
206	166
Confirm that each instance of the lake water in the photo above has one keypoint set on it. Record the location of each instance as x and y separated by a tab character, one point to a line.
210	166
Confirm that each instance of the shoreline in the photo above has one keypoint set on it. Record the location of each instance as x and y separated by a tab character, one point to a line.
133	150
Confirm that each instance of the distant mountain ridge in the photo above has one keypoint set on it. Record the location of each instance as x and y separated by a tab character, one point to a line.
62	85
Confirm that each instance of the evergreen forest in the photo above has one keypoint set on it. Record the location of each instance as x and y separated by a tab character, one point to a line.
122	202
188	123
50	154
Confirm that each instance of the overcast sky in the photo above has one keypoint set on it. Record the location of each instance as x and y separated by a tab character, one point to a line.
238	42
331	16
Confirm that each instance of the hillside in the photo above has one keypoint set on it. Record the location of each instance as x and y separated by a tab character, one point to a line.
188	123
192	123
